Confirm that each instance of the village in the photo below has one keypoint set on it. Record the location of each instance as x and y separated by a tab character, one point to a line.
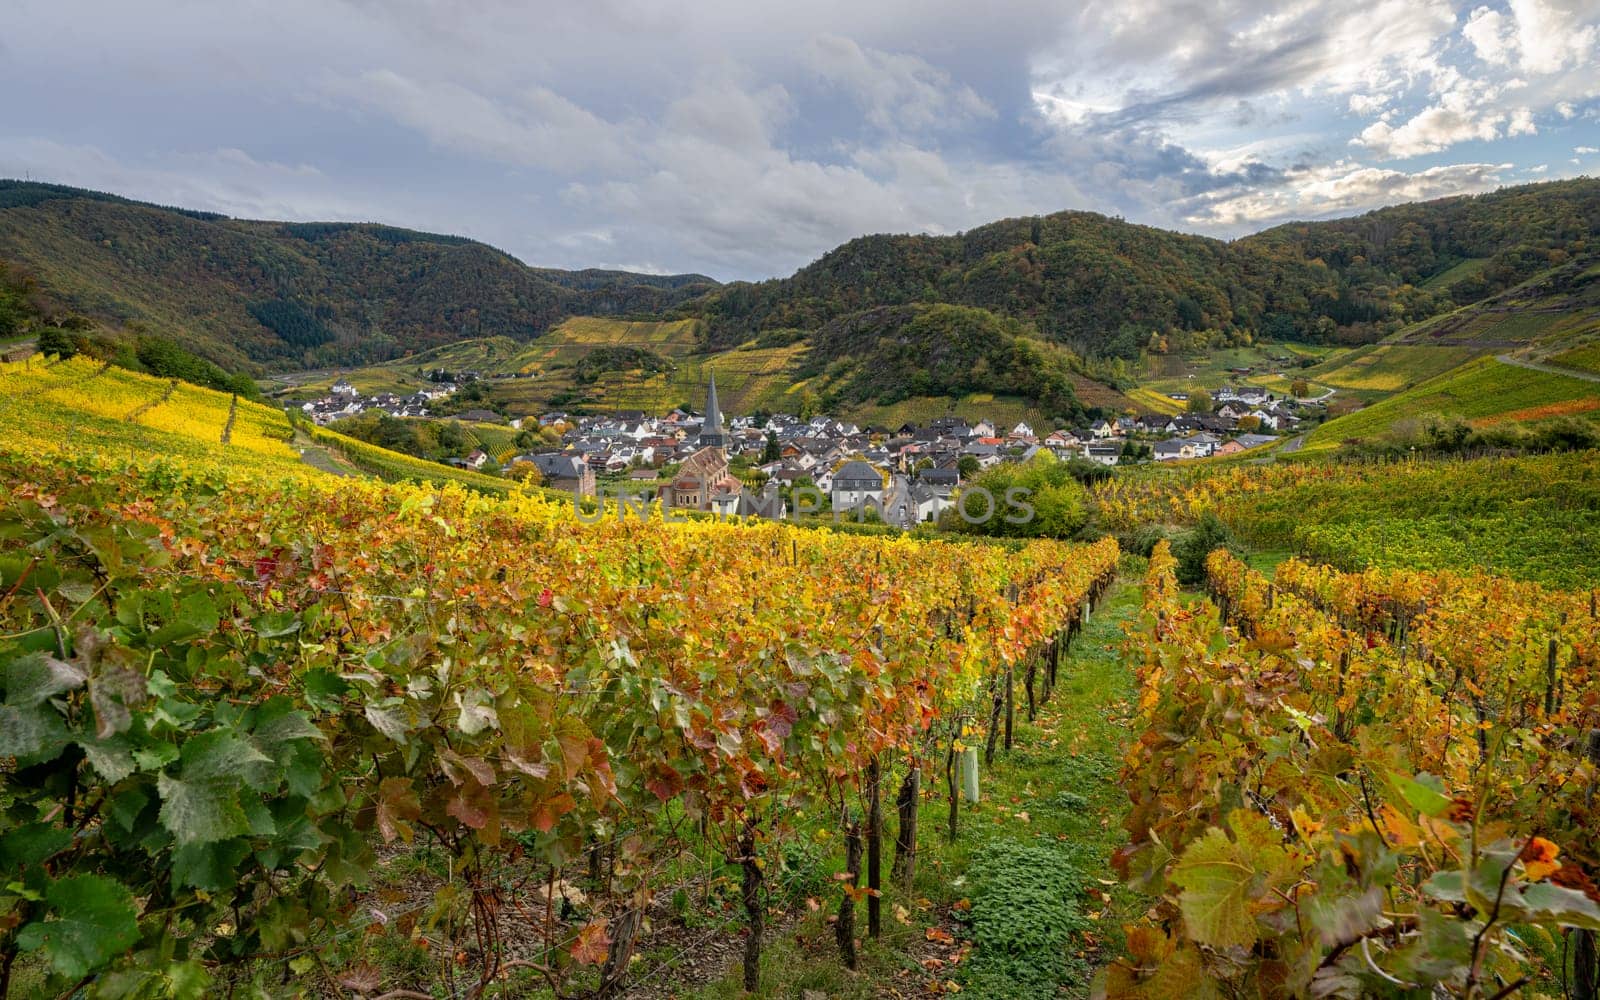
752	465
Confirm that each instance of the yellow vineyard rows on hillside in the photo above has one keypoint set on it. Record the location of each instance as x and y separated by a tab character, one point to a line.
83	405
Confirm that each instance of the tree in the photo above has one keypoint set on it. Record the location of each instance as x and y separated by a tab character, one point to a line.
1200	401
58	342
968	466
770	453
1057	504
1300	387
1249	424
526	473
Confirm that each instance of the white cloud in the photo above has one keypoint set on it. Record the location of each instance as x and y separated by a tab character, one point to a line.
1160	56
1491	36
1368	104
1585	150
1343	188
1432	130
1536	36
1552	36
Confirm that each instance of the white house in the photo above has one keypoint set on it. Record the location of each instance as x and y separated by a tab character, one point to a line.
854	483
1103	454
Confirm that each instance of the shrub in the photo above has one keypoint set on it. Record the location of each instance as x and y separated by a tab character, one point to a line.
1193	546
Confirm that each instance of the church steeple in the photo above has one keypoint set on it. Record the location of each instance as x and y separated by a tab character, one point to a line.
711	435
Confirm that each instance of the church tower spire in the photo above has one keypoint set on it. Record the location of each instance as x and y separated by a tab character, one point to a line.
711	435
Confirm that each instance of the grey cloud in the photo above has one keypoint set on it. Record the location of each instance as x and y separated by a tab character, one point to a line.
898	92
744	138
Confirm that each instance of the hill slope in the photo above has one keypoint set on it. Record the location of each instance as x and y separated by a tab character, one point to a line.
65	409
1105	286
271	295
1096	303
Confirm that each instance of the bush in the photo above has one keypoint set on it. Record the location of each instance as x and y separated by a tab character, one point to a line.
1143	540
57	342
1191	548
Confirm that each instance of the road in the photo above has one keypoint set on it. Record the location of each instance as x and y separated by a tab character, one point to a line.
1549	369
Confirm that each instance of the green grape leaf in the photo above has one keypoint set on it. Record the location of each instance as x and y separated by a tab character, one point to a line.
276	624
31	732
221	754
388	722
197	614
27	846
1216	881
189	980
34	680
1565	907
201	810
211	867
94	919
1420	795
110	758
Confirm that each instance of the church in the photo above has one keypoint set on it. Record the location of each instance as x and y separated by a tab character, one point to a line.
703	481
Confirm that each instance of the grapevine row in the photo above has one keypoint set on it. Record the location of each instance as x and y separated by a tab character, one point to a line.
220	690
1340	801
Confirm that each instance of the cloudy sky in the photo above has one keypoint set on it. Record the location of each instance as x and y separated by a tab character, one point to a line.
743	138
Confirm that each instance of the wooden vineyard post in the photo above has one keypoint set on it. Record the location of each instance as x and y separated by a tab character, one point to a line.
1027	682
904	870
1550	679
995	711
1585	952
874	846
950	777
1339	727
620	953
754	910
1010	692
1011	681
844	930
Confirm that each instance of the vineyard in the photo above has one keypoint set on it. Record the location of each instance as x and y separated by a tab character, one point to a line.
227	695
1535	518
81	406
1377	784
421	733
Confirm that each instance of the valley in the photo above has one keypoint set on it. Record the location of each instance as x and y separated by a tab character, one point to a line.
333	666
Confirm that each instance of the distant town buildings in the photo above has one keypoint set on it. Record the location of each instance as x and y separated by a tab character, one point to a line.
751	465
344	401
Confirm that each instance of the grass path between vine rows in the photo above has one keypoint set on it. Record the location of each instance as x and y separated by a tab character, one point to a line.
1024	903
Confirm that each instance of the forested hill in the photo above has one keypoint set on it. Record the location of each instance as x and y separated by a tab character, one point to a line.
273	295
1105	286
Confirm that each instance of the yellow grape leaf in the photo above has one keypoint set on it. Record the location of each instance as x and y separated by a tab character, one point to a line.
1303	823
